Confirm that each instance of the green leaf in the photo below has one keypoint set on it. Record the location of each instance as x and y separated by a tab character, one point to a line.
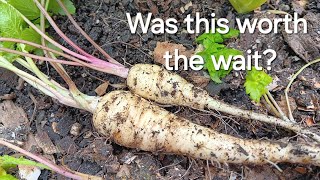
30	35
217	50
39	52
56	9
233	33
242	6
256	84
7	162
5	176
27	7
213	47
213	37
11	23
9	56
8	177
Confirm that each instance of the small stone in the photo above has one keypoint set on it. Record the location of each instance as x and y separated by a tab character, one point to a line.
182	10
87	135
75	129
84	75
54	127
20	84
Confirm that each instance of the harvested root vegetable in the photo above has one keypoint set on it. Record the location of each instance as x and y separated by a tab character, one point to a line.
156	83
149	81
134	122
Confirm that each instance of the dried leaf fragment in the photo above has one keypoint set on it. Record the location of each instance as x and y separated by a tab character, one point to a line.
102	88
163	47
12	116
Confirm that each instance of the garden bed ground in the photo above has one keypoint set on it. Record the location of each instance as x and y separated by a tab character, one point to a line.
86	151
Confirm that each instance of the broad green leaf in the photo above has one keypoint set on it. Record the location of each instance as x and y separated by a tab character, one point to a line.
39	52
9	162
233	33
213	37
56	9
213	47
27	7
30	35
11	23
8	177
217	50
256	84
5	176
9	56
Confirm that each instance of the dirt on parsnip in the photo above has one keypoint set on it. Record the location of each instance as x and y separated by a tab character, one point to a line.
79	147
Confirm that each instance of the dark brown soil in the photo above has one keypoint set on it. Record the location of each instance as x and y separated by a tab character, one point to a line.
105	21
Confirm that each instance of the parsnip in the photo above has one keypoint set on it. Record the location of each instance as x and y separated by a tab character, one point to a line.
156	83
134	122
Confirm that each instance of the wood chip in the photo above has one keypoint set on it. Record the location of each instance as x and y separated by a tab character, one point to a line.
20	85
200	81
12	116
305	45
309	121
301	170
45	143
102	88
163	47
8	96
124	172
31	144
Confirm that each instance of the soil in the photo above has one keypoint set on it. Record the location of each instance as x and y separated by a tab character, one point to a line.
66	135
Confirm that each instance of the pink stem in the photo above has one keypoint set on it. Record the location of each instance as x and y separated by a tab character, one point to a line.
42	160
42	47
91	58
109	58
58	30
39	57
107	67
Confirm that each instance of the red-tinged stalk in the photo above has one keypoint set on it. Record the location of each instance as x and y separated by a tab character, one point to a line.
95	63
76	61
61	34
91	58
39	57
53	92
42	160
58	67
50	87
43	47
106	55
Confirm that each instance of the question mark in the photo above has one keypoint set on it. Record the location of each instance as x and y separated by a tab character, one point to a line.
274	56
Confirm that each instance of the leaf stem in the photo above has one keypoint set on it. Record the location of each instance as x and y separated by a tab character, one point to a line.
57	93
38	57
282	115
274	110
41	160
77	95
109	58
96	63
290	83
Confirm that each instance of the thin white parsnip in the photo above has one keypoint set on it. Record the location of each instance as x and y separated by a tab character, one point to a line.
156	83
134	122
